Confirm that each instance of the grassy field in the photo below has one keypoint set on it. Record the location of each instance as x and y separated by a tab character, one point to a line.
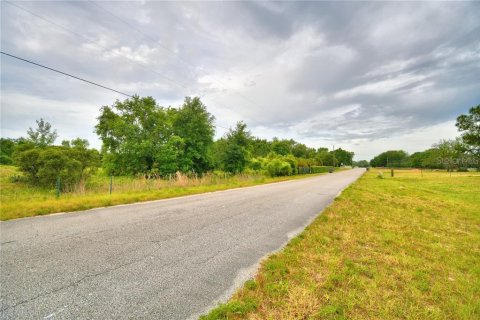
406	247
18	200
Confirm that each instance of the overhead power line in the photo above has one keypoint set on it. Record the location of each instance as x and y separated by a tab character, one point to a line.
66	74
178	83
75	77
105	48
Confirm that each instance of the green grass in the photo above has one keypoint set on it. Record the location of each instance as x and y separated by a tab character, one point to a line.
406	247
18	199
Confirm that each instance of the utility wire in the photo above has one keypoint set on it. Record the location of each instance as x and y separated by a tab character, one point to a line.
158	43
105	48
64	73
75	77
95	43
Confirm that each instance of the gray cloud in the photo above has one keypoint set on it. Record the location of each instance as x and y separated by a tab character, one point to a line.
353	74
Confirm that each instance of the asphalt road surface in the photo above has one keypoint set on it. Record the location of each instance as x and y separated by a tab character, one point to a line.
167	259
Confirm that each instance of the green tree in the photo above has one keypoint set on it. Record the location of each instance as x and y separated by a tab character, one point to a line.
43	135
323	157
342	157
42	166
133	133
279	167
236	152
300	150
140	137
418	159
89	159
361	163
170	155
449	153
292	161
7	147
282	147
194	124
391	158
469	125
260	147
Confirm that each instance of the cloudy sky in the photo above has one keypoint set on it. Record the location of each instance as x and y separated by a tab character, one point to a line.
365	76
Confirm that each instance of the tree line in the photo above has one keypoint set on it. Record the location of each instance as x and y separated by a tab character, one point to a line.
460	153
141	138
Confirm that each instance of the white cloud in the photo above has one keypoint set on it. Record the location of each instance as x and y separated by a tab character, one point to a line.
141	54
383	87
355	76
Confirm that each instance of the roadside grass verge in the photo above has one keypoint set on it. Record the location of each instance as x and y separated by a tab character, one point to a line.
19	200
406	247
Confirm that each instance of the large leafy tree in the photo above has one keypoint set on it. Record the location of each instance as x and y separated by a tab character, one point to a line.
342	157
282	147
43	135
260	147
323	157
133	133
194	125
236	152
391	158
140	137
424	159
448	153
469	125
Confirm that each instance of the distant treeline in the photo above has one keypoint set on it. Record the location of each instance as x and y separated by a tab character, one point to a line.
460	153
141	138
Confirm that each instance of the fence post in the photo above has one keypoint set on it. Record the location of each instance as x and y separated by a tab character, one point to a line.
58	187
391	172
111	183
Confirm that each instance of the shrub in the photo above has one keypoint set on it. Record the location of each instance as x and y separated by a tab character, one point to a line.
292	161
42	166
55	163
256	164
278	167
4	159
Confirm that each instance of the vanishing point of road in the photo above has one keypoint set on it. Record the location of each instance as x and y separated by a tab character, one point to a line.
166	259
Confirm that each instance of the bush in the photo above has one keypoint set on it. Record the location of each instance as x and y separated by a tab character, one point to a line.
292	161
256	164
56	163
43	166
4	159
278	167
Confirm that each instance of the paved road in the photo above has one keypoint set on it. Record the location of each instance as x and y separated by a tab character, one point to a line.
170	259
